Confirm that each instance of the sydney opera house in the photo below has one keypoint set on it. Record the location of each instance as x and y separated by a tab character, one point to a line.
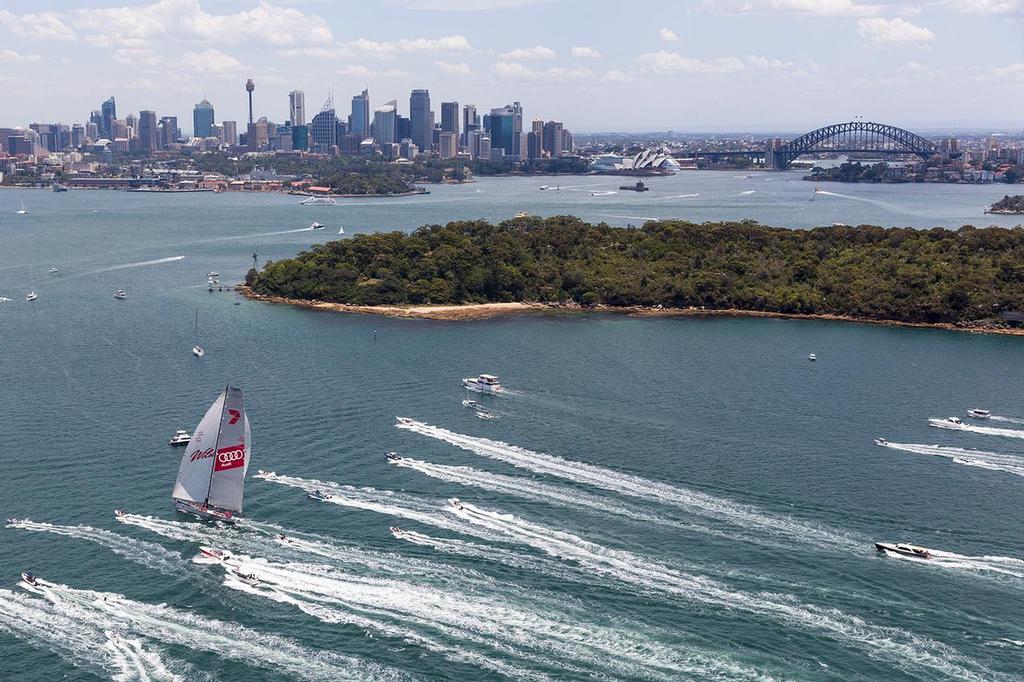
647	162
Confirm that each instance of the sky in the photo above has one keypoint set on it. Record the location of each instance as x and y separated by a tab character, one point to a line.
596	65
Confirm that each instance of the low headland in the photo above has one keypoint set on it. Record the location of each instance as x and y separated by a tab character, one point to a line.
967	279
1008	205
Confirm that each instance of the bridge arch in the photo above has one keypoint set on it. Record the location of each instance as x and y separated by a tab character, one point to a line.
854	136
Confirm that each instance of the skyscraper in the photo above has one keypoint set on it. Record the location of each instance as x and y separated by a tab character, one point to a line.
359	121
230	132
450	118
503	128
518	139
297	107
384	123
323	129
202	119
420	124
147	130
108	112
553	138
169	132
535	140
469	122
448	145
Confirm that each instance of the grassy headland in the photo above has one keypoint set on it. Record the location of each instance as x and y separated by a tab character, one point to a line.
932	276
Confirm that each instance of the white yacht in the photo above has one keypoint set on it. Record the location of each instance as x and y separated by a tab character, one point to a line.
180	437
948	423
318	201
904	549
120	294
484	414
470	403
53	270
198	351
978	413
485	383
22	210
31	296
812	357
341	230
881	441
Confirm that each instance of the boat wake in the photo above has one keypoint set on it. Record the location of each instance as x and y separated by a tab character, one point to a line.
691	501
139	264
1003	565
79	641
991	430
993	461
1008	420
88	610
445	620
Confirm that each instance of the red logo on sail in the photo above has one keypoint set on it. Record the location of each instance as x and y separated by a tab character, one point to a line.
230	457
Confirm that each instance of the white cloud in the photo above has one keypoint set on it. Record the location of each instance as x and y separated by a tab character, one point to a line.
364	47
616	76
994	7
585	53
12	57
467	5
37	26
457	69
360	71
664	63
825	8
535	52
879	32
514	71
209	62
668	35
136	56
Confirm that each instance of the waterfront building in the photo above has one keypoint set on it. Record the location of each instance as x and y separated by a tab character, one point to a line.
384	123
448	145
420	120
230	132
323	130
148	140
359	120
297	108
450	118
108	112
553	138
202	119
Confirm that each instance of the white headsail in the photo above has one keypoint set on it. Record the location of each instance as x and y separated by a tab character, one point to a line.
213	467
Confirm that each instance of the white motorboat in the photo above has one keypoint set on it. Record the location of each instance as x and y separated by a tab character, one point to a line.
395	530
881	441
470	403
978	413
53	270
455	502
318	201
212	553
213	274
404	420
484	414
247	578
485	383
904	549
545	187
316	226
180	437
120	294
392	456
522	214
812	357
31	296
30	579
947	423
317	495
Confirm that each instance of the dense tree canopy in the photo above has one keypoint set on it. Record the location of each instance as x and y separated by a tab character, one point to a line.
911	275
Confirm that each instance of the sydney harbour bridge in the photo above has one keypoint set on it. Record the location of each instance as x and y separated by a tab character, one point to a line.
844	138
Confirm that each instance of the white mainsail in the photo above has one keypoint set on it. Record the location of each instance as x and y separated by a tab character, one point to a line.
213	467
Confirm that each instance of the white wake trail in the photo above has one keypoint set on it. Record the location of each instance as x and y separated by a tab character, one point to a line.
224	639
139	264
147	554
723	509
1008	420
80	642
995	461
897	647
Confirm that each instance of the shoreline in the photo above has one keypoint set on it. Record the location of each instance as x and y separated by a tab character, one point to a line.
486	311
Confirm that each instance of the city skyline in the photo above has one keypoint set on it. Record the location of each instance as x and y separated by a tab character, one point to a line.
760	65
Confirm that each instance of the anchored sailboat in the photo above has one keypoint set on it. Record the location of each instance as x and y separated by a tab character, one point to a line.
197	350
212	472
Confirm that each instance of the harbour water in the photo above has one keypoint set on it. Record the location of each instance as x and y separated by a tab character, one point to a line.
657	498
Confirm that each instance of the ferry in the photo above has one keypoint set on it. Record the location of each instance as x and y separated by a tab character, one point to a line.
904	550
180	437
978	413
485	383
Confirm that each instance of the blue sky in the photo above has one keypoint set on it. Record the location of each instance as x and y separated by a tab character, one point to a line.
597	65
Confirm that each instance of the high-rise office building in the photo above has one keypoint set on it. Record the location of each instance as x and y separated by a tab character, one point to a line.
359	120
148	139
420	123
518	139
300	138
132	121
535	140
553	138
402	129
450	118
297	107
407	149
323	130
108	112
448	145
568	146
77	135
470	122
118	128
257	136
202	119
92	131
230	132
384	123
169	133
503	129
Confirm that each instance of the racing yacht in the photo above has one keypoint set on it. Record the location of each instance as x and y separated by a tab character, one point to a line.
211	476
947	423
904	549
180	437
978	413
485	383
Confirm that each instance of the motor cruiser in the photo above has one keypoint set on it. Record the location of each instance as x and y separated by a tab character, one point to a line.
213	274
404	420
120	294
53	270
265	474
392	456
485	383
978	413
180	437
455	502
948	423
316	226
881	441
812	357
318	201
904	550
317	495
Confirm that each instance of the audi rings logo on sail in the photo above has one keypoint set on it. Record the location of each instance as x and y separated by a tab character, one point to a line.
230	457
